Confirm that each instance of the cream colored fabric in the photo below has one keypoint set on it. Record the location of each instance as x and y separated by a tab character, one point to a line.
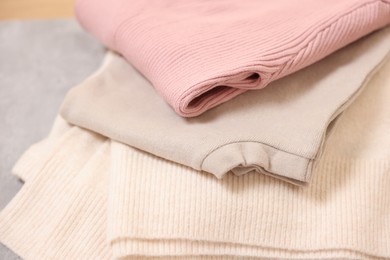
277	131
93	198
29	164
60	213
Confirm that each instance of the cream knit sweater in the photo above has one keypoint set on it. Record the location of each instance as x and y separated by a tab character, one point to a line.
88	197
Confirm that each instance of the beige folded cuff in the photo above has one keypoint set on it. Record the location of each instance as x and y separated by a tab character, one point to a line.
278	131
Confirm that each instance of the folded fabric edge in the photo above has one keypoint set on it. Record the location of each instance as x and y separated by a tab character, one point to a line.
244	157
164	247
20	231
34	157
331	125
204	96
60	191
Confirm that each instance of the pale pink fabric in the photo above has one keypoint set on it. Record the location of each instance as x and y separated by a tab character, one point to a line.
201	53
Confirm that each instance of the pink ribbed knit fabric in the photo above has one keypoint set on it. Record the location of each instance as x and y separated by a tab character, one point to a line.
199	54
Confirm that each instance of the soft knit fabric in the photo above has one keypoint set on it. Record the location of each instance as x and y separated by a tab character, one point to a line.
92	198
43	149
278	131
77	228
199	54
60	213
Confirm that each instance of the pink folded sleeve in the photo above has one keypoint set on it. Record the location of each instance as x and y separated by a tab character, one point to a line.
199	54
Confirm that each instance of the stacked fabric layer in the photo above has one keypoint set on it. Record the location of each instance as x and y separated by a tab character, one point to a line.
89	197
199	54
278	131
122	176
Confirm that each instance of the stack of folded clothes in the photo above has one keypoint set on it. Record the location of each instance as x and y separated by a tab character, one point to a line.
217	129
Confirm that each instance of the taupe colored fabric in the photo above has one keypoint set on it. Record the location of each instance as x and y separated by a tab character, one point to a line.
278	130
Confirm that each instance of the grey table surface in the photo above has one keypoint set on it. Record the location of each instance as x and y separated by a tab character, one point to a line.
39	62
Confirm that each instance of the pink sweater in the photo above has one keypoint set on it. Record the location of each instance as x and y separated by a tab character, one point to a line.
200	53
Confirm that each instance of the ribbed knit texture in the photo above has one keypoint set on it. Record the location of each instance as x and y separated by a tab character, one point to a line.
199	54
93	198
63	215
198	192
277	131
182	212
30	162
60	213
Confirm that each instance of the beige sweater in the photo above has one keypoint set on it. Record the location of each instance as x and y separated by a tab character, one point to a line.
89	197
278	131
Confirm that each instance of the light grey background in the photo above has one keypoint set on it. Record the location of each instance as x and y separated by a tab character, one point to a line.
39	62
